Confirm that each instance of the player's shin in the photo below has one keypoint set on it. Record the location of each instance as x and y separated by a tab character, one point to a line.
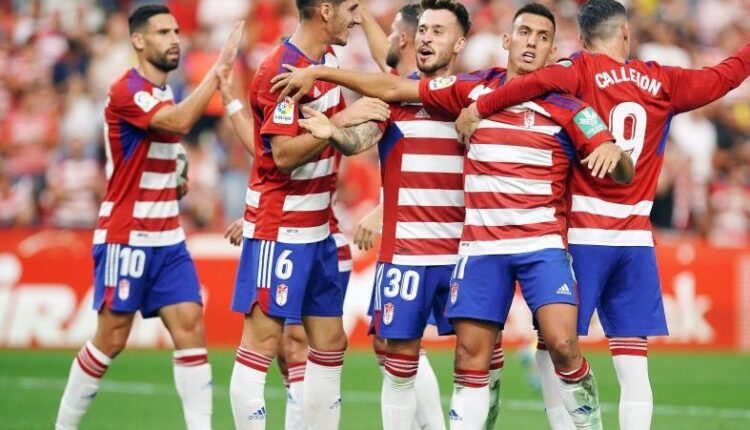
631	364
557	415
429	409
322	388
496	369
580	396
471	400
246	390
398	398
192	377
83	383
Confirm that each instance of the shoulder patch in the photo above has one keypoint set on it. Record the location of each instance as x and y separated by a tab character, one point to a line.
145	101
284	112
589	122
442	82
565	63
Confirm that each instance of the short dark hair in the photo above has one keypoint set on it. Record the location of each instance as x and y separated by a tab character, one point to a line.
410	15
307	7
455	7
536	9
140	16
596	17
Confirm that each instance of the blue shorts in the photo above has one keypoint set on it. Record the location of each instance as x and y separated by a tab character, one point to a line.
289	280
343	278
406	297
622	284
134	278
483	285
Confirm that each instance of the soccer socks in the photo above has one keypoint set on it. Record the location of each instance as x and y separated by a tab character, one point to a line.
192	378
246	390
83	383
580	397
496	369
636	399
322	389
557	416
398	397
429	410
471	399
295	414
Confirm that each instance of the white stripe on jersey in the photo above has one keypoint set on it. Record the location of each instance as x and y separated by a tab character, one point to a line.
430	197
340	239
511	246
510	154
156	209
163	151
106	208
314	169
428	230
345	266
307	202
502	184
544	129
595	236
100	235
156	238
326	101
501	217
425	260
248	229
252	198
427	129
432	163
158	181
597	206
304	234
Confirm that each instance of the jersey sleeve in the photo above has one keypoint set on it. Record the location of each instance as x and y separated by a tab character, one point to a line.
579	121
279	117
563	77
136	108
447	95
692	88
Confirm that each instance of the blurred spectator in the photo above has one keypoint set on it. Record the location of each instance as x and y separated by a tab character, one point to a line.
17	207
729	203
112	55
201	202
234	163
81	119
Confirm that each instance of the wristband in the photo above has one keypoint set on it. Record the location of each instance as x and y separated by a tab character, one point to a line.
233	107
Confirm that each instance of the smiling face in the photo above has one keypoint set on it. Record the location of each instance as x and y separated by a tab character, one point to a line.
341	18
439	39
159	42
530	44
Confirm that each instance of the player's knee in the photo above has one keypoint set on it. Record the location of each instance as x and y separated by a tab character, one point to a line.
469	356
295	347
378	344
189	332
112	343
565	352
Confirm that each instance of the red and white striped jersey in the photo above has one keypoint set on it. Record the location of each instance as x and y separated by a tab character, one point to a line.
140	205
421	165
294	207
516	169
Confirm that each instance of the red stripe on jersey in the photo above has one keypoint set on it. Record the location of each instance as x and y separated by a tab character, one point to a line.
431	214
160	166
426	246
435	181
578	219
479	233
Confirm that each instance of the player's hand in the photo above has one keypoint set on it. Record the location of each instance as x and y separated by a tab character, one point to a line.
234	232
182	190
368	228
361	111
316	124
295	84
226	83
229	51
466	123
603	159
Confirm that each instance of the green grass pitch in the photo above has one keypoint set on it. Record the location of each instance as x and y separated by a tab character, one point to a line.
691	391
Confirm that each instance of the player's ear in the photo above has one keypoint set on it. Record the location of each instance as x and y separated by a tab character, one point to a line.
326	11
582	41
460	44
506	41
625	32
138	41
552	54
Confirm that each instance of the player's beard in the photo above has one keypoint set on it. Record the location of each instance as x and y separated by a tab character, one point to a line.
391	59
163	63
441	60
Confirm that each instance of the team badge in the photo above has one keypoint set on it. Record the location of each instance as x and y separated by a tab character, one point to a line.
454	293
284	112
282	292
145	101
442	82
529	119
123	289
388	310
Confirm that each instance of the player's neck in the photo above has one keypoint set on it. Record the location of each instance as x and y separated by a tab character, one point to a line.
309	39
610	49
154	75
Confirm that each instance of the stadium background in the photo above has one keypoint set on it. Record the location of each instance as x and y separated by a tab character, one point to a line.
57	60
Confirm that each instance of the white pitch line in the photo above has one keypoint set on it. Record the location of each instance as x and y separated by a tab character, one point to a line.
363	397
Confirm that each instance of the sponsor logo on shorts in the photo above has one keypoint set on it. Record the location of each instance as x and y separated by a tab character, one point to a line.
564	290
123	289
388	310
454	293
282	292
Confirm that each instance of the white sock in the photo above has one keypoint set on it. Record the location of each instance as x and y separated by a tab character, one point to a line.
429	409
471	400
192	378
246	390
581	397
636	399
496	370
322	389
295	413
83	383
557	415
398	398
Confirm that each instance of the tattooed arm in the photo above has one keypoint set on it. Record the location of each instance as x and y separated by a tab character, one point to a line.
349	140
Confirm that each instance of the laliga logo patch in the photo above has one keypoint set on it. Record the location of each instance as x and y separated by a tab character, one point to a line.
123	289
442	82
454	293
284	113
145	101
282	292
388	310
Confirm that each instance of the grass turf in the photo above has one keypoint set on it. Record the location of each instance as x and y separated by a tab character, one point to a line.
691	391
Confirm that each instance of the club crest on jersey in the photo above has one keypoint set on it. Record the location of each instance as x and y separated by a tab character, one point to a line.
454	293
589	122
529	119
282	293
442	82
284	112
388	310
145	101
123	289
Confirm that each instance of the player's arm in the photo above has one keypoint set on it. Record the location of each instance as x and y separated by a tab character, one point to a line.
385	86
239	116
349	140
180	118
377	40
693	88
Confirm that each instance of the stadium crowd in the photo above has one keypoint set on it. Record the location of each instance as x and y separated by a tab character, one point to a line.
57	59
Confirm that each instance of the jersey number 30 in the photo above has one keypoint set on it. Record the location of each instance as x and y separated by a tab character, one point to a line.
627	122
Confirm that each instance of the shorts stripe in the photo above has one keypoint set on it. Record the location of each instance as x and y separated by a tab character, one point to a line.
270	263
260	264
378	279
